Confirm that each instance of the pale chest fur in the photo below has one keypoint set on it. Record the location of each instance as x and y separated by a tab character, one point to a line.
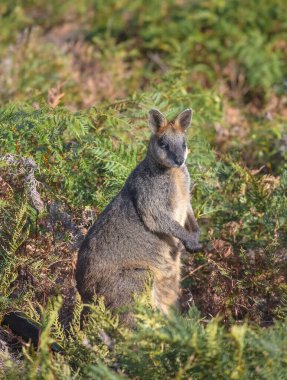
179	194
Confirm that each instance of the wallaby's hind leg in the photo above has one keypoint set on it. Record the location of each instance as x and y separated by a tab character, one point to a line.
166	286
118	289
165	292
121	287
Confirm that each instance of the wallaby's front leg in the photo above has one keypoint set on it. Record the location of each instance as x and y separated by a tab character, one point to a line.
192	227
160	222
191	224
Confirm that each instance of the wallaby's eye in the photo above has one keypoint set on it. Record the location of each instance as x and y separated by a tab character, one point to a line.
163	145
184	145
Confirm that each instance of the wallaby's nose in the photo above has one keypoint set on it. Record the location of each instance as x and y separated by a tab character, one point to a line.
179	161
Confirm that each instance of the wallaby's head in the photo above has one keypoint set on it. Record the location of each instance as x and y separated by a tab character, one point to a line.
168	140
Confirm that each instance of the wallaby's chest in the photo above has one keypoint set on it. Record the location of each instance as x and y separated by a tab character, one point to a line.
179	194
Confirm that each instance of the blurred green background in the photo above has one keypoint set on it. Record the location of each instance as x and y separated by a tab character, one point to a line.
105	50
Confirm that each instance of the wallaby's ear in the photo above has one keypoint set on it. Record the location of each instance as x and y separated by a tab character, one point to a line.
156	120
183	120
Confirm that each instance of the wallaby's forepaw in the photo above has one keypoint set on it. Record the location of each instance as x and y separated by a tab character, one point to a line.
196	248
193	246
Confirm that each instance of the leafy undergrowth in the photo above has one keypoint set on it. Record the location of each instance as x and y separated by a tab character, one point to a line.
76	84
157	348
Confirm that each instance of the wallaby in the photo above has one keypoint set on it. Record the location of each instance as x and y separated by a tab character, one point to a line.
145	227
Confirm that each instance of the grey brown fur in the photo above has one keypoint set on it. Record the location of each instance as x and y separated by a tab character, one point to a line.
145	227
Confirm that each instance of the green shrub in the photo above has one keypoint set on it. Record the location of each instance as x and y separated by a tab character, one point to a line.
157	348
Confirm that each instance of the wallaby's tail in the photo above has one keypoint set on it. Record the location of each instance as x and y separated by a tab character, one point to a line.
28	330
22	326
